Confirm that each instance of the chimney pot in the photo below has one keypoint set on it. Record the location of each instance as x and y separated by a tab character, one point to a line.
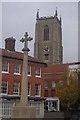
10	44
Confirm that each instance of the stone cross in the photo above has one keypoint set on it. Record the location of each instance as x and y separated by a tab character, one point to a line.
25	40
22	108
24	89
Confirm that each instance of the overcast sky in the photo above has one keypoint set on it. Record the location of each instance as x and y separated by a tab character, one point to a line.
19	17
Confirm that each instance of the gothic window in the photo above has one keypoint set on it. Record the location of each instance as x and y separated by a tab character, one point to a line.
46	56
46	32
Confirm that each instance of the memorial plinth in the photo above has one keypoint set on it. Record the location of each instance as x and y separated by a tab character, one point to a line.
23	112
22	109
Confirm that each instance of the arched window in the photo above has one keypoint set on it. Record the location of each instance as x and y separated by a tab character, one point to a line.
46	32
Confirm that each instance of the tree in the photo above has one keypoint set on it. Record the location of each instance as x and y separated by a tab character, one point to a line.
67	90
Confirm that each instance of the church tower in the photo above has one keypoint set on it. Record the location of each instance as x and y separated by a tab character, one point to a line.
48	39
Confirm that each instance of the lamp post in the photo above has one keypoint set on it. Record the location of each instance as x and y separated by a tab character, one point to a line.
24	89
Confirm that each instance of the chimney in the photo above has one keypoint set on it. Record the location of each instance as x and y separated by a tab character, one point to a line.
10	44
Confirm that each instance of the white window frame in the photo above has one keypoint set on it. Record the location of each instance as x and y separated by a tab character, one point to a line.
15	73
6	72
30	70
40	72
54	86
46	57
7	108
16	93
39	91
6	90
46	82
29	90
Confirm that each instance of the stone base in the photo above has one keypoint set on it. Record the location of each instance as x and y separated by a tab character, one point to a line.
23	112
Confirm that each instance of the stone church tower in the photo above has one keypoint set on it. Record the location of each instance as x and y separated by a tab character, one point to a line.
48	39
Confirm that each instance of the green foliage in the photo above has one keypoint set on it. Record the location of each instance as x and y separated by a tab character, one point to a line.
67	90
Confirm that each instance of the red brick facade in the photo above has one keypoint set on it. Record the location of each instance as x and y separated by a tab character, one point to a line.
43	84
17	58
53	74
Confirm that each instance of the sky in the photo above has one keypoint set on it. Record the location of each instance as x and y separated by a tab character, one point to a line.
20	17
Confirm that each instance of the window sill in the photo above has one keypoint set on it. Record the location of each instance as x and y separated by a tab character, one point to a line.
29	75
28	95
45	87
38	76
17	74
3	94
37	95
5	72
16	94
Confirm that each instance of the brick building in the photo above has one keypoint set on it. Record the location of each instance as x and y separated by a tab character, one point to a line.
12	62
52	76
42	79
12	73
12	65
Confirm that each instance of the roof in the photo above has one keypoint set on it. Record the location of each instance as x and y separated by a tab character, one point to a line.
18	55
55	71
56	68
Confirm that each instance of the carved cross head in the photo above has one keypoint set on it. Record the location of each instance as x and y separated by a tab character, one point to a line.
25	40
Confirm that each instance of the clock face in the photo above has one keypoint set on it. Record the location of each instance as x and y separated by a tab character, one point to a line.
46	49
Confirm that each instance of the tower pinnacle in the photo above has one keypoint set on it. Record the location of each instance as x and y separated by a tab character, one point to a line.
56	12
37	16
60	19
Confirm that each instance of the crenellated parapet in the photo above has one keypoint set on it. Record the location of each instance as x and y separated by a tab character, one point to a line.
49	17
